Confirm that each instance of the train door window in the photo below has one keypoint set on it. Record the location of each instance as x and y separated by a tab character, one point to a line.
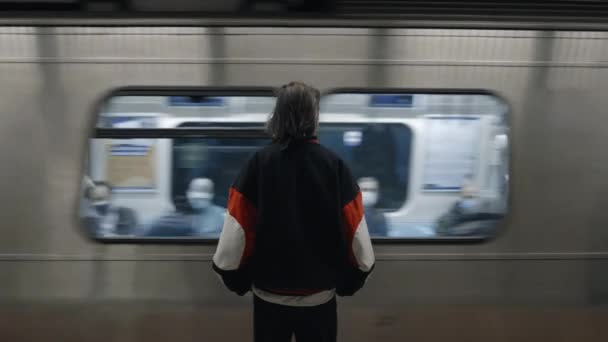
432	165
154	173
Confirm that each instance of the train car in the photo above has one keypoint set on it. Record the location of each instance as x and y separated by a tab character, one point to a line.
428	117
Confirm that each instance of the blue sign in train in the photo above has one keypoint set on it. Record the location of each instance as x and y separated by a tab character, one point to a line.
391	100
129	150
130	121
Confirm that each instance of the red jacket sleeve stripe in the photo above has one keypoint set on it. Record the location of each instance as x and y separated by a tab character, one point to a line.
245	214
352	214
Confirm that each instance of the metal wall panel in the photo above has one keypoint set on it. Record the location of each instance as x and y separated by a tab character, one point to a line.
551	255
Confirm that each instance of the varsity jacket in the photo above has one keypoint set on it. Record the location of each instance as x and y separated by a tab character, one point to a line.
295	227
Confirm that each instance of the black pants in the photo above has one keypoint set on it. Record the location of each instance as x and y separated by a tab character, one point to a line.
277	323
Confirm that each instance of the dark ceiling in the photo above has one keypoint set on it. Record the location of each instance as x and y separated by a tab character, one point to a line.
450	9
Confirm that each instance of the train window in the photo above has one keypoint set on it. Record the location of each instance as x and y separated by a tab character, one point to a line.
451	165
152	173
430	165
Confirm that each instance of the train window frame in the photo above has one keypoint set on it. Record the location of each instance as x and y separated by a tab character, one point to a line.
95	132
506	114
222	132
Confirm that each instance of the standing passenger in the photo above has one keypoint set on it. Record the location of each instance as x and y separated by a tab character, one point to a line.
295	232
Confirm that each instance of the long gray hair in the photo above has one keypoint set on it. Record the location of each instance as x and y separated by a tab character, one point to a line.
296	113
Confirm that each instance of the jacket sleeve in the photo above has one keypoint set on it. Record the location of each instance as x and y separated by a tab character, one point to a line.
237	239
360	254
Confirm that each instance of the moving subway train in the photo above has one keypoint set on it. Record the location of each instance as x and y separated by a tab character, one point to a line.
479	152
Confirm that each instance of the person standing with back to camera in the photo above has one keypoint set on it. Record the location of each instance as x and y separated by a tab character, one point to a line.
295	233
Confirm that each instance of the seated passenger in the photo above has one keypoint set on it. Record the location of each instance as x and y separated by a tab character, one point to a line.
209	218
376	222
205	219
468	209
85	203
101	217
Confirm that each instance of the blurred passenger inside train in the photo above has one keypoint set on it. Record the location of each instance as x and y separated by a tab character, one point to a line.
208	218
469	215
85	203
101	217
201	219
376	222
295	233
